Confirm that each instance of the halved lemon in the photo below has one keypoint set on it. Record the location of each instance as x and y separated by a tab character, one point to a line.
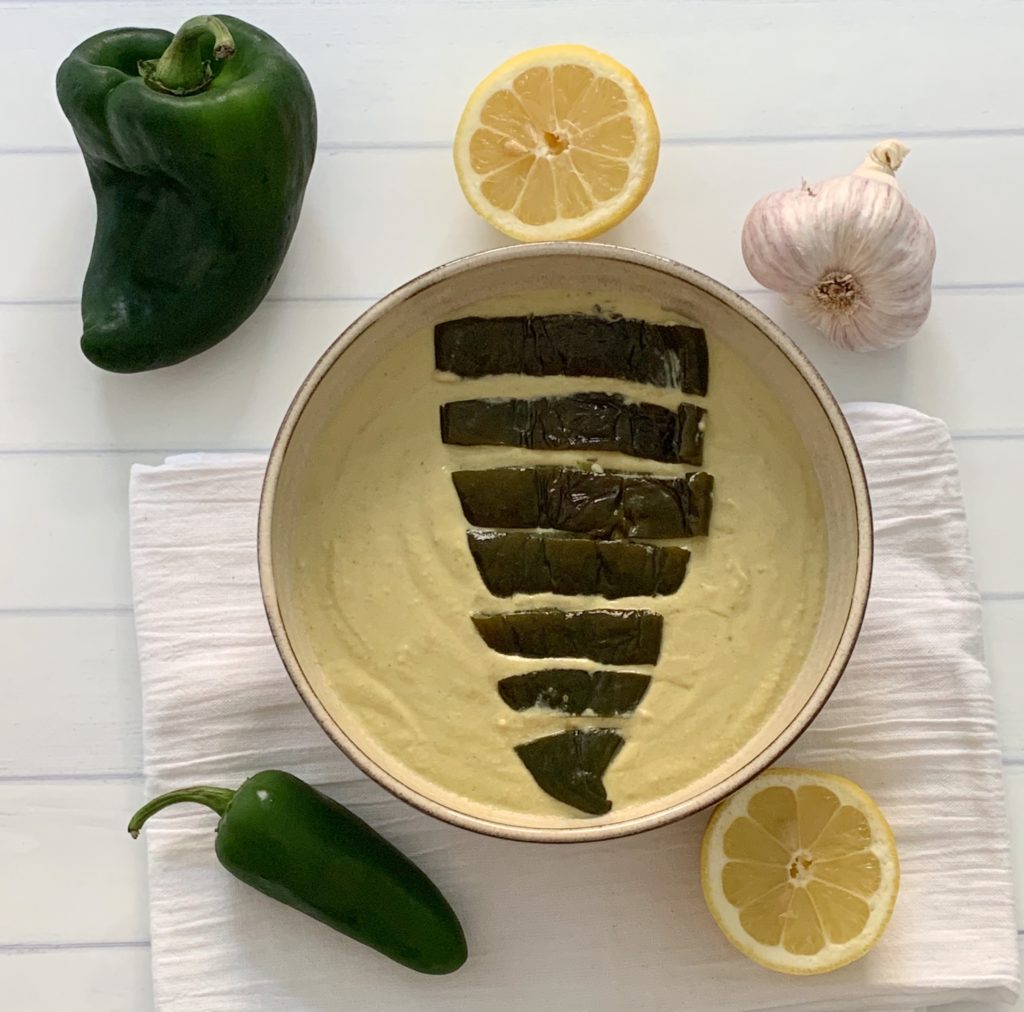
557	143
800	871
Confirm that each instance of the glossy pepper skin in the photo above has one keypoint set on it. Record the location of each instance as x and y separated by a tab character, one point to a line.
296	845
197	195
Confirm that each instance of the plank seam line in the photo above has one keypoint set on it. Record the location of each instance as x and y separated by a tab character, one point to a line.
727	140
58	610
26	948
113	776
1008	761
57	302
112	451
966	436
30	948
65	610
38	948
966	287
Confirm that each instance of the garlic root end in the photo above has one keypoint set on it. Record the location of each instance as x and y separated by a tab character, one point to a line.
838	293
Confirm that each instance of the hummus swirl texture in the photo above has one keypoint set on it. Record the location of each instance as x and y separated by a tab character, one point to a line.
389	584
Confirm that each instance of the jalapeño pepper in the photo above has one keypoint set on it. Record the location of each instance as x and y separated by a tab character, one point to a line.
298	846
198	148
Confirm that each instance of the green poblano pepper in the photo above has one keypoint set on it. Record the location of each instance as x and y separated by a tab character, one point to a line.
199	147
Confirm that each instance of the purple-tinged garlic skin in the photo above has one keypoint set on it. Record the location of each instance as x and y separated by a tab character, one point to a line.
852	255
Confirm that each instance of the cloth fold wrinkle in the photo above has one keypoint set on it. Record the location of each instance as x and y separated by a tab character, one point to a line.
609	926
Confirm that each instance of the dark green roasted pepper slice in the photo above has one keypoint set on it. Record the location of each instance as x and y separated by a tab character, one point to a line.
575	344
586	421
605	635
198	148
569	690
296	845
569	766
604	504
521	562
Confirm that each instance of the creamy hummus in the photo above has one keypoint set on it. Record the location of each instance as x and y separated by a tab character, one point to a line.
388	583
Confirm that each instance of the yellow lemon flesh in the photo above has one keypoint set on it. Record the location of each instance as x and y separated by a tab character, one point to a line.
800	871
558	143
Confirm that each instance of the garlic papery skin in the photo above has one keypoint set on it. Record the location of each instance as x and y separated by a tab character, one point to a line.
852	254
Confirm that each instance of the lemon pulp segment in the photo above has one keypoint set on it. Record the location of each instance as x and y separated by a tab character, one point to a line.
800	870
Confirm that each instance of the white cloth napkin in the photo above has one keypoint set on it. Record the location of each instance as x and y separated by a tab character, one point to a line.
609	926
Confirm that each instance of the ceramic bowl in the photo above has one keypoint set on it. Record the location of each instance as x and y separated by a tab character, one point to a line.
442	293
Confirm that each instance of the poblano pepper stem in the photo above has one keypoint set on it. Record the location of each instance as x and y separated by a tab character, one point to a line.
182	70
216	798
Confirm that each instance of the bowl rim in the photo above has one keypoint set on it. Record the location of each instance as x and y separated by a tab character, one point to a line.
652	820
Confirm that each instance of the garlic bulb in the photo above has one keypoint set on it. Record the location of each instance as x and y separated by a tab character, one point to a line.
852	254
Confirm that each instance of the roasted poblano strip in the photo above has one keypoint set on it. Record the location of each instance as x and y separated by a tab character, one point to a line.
569	690
569	766
575	344
516	562
605	505
584	421
604	635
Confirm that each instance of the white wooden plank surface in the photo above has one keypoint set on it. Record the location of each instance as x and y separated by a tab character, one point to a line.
64	540
694	213
714	68
989	469
1004	648
79	556
72	682
77	980
80	876
956	369
751	95
243	385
